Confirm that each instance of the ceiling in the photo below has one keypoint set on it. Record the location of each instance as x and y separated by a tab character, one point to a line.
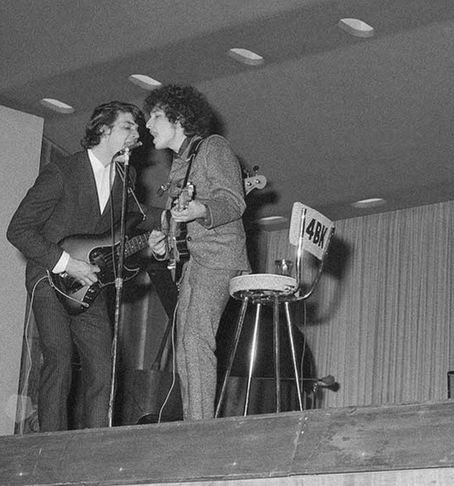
329	118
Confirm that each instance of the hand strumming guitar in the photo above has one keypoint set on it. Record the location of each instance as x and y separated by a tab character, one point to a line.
157	242
83	272
194	210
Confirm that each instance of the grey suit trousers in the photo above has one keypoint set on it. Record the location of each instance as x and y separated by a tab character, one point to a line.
203	296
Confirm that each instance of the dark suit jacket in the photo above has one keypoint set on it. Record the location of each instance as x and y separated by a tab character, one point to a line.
62	202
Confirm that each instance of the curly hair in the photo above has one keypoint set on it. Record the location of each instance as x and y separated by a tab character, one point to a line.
184	104
106	115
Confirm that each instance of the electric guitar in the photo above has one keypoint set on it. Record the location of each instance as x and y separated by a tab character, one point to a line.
257	181
99	250
176	233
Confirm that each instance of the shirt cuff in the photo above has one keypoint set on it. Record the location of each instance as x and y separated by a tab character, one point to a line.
207	221
60	267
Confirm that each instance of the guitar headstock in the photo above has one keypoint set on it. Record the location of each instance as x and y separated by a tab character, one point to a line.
256	181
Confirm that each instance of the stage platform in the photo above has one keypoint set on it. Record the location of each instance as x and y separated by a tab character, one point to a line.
388	445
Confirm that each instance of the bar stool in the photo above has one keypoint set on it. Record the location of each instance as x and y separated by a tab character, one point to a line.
310	234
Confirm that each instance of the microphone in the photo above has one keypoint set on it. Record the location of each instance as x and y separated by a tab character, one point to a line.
128	148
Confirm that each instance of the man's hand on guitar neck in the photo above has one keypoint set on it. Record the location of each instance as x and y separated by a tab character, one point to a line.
83	272
194	210
157	243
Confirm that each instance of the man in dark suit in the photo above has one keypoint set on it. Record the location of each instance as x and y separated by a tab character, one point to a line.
180	119
80	195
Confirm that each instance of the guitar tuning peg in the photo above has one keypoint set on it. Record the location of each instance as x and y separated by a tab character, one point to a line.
255	169
163	188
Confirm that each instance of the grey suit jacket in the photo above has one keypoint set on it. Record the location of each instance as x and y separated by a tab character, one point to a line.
216	174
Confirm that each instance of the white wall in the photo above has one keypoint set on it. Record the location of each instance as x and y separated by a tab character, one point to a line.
20	147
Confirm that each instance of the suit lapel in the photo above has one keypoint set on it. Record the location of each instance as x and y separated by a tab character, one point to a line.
90	195
115	196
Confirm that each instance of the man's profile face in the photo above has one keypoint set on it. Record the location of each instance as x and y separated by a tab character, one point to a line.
166	134
123	132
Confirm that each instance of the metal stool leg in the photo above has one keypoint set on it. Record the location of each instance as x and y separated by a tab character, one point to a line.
292	345
236	339
252	357
277	362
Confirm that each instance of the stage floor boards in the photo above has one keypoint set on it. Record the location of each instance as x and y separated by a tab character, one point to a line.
400	444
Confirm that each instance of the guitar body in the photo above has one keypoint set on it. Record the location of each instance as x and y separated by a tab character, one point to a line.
176	241
176	233
98	251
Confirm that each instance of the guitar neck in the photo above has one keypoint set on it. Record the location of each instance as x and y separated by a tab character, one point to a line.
136	243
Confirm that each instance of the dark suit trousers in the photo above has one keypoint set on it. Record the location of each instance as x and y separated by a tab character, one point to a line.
91	333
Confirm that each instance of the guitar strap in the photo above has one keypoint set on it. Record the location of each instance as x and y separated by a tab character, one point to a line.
191	156
193	150
192	153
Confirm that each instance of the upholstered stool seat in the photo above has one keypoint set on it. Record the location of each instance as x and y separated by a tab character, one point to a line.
310	232
262	286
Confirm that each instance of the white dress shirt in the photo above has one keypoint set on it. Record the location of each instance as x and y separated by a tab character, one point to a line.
104	178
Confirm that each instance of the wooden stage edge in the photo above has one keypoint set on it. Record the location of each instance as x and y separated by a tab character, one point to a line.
394	444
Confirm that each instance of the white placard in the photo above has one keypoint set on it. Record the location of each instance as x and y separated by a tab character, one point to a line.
317	229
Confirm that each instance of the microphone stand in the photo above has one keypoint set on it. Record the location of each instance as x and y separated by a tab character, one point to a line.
119	286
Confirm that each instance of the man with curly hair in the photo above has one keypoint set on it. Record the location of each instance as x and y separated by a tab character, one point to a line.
180	119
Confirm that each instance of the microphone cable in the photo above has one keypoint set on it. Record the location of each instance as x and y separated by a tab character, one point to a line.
173	349
29	365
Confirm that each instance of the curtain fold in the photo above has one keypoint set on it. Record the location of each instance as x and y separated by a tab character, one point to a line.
382	326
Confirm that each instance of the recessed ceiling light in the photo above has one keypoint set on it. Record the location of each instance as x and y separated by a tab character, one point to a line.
245	56
144	81
57	105
271	220
369	203
356	27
